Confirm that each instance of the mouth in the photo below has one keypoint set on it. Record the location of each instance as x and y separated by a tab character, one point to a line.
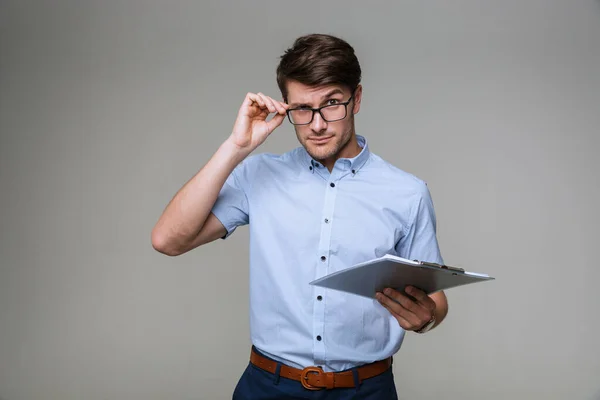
320	140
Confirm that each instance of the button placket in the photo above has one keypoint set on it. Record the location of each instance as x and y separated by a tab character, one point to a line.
323	263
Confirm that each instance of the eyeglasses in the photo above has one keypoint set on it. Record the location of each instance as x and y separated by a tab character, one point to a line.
329	113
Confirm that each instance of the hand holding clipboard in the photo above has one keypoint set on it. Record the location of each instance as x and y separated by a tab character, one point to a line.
367	278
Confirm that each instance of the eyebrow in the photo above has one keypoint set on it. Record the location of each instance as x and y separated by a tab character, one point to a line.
325	96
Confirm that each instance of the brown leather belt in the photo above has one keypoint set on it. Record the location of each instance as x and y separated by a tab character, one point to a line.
314	378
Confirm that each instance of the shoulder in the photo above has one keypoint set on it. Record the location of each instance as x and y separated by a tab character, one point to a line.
267	163
397	178
255	160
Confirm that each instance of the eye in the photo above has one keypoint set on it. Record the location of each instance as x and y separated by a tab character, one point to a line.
332	102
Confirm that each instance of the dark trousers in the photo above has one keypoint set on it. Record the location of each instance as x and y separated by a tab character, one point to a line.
257	384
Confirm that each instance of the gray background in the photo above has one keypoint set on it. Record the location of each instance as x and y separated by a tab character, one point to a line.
108	107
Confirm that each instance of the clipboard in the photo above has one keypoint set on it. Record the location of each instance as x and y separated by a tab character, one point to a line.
367	278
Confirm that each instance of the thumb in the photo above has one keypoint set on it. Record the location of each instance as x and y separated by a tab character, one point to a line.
275	122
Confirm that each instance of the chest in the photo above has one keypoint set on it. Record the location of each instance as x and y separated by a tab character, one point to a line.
350	218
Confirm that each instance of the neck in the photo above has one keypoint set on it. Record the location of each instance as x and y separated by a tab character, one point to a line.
350	150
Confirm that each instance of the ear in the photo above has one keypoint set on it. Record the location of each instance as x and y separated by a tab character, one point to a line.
357	99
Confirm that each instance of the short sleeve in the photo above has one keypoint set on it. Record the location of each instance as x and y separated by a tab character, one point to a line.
419	241
231	206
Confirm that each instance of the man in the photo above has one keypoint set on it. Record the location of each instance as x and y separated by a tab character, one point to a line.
320	208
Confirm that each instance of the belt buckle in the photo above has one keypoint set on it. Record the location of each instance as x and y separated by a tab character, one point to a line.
304	377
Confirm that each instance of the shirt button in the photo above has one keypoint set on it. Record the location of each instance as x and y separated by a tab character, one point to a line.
319	338
323	258
332	184
310	168
353	171
326	220
319	298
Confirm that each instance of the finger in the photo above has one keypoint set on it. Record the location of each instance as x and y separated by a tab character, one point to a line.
280	106
268	103
398	310
421	313
402	321
255	99
251	105
246	104
421	297
249	99
405	301
275	122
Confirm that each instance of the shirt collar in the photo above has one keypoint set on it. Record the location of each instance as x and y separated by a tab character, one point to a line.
354	164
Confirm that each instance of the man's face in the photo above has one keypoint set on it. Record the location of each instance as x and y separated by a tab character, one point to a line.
324	140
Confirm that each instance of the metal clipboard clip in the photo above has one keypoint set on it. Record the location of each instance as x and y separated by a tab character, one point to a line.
430	264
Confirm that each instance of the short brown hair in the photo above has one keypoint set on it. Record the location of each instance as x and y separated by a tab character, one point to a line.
316	60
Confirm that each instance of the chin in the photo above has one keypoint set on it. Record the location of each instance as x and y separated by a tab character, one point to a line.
321	154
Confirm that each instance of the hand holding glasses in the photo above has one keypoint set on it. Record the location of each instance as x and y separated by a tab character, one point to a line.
251	127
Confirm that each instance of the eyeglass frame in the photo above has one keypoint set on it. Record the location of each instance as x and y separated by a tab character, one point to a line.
314	110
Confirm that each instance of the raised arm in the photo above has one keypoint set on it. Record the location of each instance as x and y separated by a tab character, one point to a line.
187	221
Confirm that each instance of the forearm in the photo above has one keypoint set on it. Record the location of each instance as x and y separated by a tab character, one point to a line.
189	209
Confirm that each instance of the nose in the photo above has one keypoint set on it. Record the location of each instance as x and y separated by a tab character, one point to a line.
318	124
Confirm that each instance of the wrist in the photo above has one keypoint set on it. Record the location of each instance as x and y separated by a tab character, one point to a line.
234	152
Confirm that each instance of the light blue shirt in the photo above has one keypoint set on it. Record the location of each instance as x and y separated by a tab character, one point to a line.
306	223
